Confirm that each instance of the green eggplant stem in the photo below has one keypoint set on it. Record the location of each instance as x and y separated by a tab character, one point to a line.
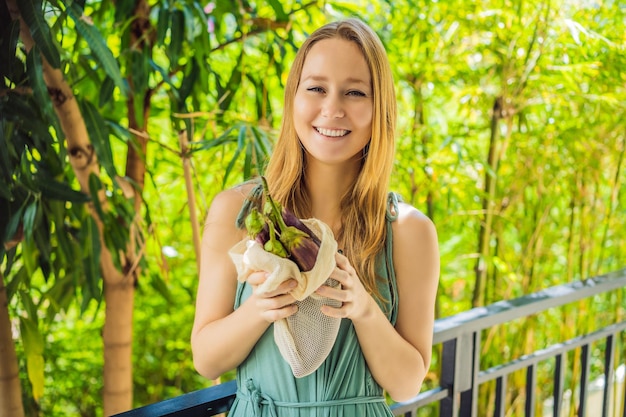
277	213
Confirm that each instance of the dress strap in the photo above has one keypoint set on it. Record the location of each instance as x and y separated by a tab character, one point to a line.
259	400
391	215
392	206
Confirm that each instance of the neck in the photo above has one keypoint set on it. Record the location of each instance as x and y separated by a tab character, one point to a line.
327	185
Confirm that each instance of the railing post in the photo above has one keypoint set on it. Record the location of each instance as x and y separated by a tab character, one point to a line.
609	379
458	375
584	381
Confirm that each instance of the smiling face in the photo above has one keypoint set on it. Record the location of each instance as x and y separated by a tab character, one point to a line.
333	103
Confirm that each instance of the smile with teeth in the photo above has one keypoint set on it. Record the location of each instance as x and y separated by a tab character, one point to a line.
335	133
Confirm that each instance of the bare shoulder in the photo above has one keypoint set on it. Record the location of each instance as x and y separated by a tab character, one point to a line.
412	225
220	222
228	203
415	250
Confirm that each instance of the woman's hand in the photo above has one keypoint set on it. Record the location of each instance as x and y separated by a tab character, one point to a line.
273	305
356	302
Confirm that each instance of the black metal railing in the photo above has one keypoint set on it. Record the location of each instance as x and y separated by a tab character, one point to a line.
460	337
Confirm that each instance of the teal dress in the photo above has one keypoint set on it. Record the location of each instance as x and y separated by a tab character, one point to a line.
341	387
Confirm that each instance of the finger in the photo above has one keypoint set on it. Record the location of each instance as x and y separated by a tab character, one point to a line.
280	313
274	303
333	293
257	278
284	288
343	263
340	276
334	312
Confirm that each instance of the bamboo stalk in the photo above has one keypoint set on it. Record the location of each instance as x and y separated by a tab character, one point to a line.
191	195
10	387
612	203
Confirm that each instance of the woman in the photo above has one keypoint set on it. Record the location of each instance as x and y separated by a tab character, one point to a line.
332	161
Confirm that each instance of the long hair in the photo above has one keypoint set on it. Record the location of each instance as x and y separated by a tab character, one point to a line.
365	204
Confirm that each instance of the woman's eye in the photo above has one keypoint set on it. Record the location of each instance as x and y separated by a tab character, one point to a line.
316	89
356	93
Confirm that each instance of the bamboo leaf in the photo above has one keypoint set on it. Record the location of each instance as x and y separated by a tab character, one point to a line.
98	133
123	9
163	24
9	34
29	219
230	166
205	145
240	148
32	14
247	163
140	71
33	347
20	278
34	69
50	188
281	16
106	92
262	147
161	287
94	188
177	35
6	166
189	81
97	44
57	213
233	83
91	262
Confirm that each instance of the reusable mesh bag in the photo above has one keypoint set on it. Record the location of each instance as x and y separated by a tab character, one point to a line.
305	338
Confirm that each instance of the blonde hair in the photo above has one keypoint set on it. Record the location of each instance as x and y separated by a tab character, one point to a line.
364	206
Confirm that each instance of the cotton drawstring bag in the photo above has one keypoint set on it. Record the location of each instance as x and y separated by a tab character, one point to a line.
305	338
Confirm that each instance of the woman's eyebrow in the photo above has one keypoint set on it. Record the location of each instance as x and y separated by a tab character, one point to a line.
350	80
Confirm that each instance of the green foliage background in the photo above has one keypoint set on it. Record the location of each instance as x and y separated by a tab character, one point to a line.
511	138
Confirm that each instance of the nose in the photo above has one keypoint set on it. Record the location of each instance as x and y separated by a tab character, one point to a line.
332	107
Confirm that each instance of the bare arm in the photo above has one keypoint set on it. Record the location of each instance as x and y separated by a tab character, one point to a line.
222	337
398	357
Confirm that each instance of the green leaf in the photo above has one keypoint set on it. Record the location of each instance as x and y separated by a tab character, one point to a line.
247	164
106	92
189	81
163	23
18	280
281	16
161	287
97	44
91	262
50	188
95	185
34	69
13	224
233	84
29	219
57	209
10	34
177	35
33	348
139	71
98	133
240	147
32	13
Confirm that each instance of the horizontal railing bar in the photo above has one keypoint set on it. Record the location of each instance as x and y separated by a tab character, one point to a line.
423	398
547	353
480	318
194	403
